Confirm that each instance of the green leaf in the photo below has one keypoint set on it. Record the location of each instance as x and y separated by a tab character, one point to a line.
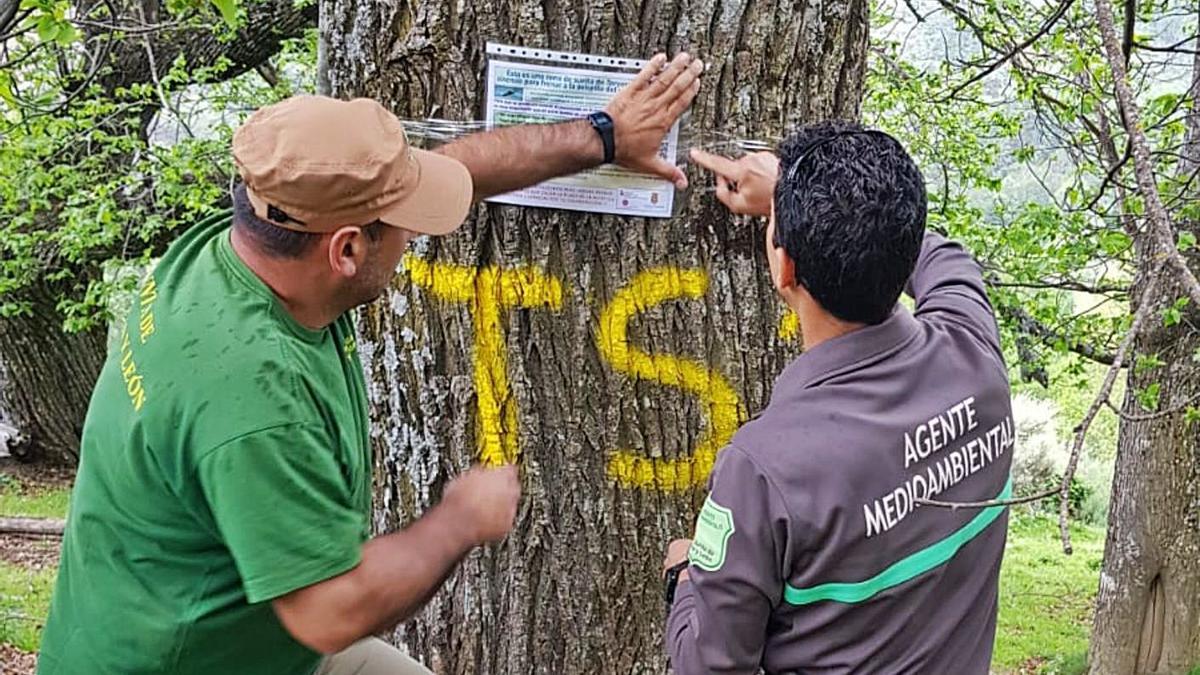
6	92
1147	362
47	28
66	35
1186	240
1113	242
1148	397
1174	314
1191	414
228	9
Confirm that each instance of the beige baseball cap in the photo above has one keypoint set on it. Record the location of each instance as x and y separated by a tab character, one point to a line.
314	164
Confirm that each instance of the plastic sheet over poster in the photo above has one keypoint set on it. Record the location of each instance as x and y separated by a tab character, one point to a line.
529	90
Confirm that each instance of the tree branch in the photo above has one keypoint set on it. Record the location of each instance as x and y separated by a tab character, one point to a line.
8	14
1170	49
1110	378
954	506
1048	24
1064	285
1028	324
43	526
268	73
267	24
1163	230
1130	22
1154	415
913	8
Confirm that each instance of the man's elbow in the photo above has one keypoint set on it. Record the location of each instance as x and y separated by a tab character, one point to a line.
318	624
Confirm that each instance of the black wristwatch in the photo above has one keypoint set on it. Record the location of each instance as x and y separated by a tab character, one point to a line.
603	124
671	581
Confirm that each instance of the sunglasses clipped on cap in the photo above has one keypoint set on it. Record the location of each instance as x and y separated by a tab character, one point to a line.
791	172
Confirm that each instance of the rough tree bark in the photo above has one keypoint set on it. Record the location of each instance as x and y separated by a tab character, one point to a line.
46	374
1148	609
46	379
1147	613
561	339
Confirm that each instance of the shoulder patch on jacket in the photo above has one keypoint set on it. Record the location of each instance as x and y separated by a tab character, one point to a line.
714	527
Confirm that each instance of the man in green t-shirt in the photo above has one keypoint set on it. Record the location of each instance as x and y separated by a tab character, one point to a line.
220	522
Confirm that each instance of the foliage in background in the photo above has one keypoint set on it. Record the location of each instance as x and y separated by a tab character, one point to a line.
1041	455
1044	596
975	144
1015	171
17	499
24	603
97	178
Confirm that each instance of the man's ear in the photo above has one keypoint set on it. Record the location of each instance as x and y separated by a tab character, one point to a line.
785	270
348	249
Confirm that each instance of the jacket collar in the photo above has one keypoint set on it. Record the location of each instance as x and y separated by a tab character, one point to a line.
845	352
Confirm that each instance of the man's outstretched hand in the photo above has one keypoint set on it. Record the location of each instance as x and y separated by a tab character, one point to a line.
745	186
644	110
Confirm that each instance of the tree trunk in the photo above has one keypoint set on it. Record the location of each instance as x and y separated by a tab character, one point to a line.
611	357
1148	610
46	379
266	24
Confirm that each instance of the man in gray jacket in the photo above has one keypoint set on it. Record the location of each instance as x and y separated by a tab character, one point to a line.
812	552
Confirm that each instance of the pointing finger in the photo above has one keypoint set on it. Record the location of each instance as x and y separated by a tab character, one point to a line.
723	193
722	166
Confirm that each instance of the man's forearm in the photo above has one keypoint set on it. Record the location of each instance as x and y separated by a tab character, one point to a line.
511	158
401	571
398	574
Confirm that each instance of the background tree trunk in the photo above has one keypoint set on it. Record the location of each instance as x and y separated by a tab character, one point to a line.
1148	609
649	336
1147	613
46	379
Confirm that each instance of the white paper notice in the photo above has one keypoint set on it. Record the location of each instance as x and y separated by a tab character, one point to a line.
520	93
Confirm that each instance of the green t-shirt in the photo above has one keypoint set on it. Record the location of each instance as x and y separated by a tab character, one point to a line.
225	462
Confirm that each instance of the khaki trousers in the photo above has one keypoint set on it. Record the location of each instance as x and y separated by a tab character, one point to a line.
370	656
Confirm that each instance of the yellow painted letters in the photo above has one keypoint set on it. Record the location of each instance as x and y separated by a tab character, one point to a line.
133	381
722	407
489	291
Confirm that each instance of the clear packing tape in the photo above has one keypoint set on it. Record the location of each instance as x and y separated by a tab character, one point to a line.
432	132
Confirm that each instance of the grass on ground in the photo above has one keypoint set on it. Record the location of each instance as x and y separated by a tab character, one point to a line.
24	603
26	580
1046	597
19	499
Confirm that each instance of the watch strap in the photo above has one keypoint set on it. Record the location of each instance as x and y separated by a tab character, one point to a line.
671	581
603	124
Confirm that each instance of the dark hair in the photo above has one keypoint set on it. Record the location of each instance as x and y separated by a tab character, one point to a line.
850	213
278	241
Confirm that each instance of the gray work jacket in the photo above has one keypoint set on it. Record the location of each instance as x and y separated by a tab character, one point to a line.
811	554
